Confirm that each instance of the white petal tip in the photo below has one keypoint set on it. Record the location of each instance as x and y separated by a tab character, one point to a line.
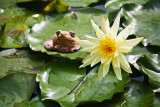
119	78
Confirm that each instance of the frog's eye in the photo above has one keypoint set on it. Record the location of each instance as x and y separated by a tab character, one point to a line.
57	33
72	34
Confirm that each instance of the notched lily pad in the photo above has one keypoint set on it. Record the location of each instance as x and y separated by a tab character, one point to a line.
20	61
16	22
65	83
78	22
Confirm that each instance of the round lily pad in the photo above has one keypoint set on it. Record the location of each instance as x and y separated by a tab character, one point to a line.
65	83
20	61
15	22
78	22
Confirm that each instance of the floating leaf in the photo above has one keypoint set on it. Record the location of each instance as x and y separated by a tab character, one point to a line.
78	22
65	83
150	65
157	100
15	88
13	60
36	102
17	22
147	22
79	3
136	94
117	4
7	3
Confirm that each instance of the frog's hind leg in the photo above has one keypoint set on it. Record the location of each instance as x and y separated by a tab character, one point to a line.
48	45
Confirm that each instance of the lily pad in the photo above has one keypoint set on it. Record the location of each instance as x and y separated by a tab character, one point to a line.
79	3
15	88
17	22
157	100
117	4
136	94
150	65
78	22
65	83
36	102
7	3
13	60
147	22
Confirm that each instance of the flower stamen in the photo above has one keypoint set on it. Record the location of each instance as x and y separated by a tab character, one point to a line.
108	47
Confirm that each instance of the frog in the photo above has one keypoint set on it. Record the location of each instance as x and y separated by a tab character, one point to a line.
62	41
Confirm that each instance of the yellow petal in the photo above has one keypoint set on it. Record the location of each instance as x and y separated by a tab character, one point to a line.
95	27
100	72
133	42
98	31
106	60
120	42
125	49
88	49
85	43
86	61
106	68
103	59
116	67
105	26
86	58
92	39
95	50
96	60
100	35
125	32
124	63
115	26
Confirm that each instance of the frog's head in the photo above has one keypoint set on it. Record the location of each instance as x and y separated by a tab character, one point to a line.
66	36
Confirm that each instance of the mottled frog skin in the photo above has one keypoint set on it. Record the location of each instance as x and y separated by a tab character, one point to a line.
62	41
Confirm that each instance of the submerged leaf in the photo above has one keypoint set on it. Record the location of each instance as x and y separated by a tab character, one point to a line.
57	6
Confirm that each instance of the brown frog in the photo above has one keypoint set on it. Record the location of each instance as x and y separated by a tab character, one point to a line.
62	41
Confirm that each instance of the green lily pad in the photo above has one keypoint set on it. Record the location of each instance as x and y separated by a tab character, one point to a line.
36	102
8	3
147	22
136	94
65	83
15	88
79	22
17	22
150	65
79	3
13	60
117	4
157	100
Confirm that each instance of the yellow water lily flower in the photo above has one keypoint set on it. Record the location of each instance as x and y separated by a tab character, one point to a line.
109	47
